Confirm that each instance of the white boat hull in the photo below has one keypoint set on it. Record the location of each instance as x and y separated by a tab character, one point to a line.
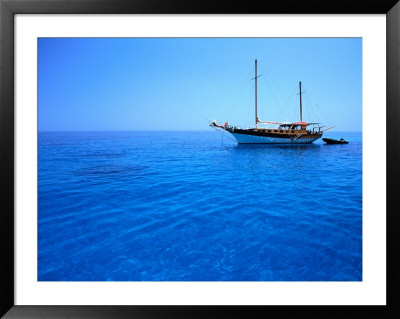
253	139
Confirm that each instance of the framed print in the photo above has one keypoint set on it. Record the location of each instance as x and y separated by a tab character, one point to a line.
172	159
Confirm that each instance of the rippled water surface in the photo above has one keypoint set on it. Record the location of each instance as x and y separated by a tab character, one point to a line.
194	206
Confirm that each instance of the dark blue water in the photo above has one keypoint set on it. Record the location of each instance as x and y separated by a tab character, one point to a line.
193	206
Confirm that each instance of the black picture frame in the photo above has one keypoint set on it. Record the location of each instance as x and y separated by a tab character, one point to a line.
8	8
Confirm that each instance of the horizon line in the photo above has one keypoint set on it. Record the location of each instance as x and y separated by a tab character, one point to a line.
155	130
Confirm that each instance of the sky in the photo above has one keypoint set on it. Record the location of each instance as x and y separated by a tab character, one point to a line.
103	84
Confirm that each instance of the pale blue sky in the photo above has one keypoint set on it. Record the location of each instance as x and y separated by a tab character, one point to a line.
179	83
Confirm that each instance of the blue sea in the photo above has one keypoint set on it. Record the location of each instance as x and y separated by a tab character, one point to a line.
195	206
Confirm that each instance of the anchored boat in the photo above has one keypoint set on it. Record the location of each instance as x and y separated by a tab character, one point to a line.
285	133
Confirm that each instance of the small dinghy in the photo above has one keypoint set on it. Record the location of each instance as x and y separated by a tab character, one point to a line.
332	141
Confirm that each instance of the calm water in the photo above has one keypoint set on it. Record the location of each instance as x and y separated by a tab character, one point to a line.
194	206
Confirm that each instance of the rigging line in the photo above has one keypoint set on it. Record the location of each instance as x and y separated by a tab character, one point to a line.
309	111
316	117
305	109
275	85
312	111
260	105
279	102
238	97
223	132
249	107
295	105
290	96
322	114
272	81
226	108
230	137
222	138
272	93
289	106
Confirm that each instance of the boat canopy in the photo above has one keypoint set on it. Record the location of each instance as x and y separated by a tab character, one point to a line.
270	122
297	124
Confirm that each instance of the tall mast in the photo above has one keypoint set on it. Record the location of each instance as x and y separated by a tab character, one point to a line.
301	111
256	89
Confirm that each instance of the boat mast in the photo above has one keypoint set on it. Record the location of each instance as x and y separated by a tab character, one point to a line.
255	88
301	111
255	78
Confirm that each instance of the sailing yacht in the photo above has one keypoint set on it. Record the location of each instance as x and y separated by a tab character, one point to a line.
284	133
